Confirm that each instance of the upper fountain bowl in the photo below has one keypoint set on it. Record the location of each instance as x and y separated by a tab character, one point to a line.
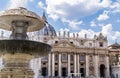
20	13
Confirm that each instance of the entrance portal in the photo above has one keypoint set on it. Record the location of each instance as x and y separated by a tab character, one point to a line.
102	70
64	72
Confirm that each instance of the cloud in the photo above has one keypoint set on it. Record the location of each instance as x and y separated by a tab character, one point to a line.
18	3
74	24
41	5
90	33
106	30
72	9
92	24
115	7
105	3
112	35
103	16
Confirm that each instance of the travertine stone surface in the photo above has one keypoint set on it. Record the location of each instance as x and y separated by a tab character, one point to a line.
16	66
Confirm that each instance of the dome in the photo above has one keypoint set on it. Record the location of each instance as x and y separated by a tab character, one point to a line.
115	46
48	30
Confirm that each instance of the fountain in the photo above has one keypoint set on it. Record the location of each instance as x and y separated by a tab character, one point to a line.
17	51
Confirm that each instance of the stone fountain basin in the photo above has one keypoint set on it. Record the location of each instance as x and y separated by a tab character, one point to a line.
24	46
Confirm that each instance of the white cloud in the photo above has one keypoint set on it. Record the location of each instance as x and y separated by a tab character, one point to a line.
41	5
107	29
101	25
90	33
18	3
115	7
112	35
92	24
103	16
73	24
72	9
105	3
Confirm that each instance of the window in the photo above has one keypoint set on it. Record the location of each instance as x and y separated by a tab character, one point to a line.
72	57
116	75
56	63
82	42
44	63
56	73
82	58
64	72
82	71
90	58
90	44
56	42
64	57
101	58
71	42
44	58
44	71
101	44
56	57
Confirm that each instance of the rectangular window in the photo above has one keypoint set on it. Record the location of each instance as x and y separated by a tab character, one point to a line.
64	57
101	44
101	58
82	58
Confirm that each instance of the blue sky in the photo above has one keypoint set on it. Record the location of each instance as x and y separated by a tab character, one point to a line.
79	16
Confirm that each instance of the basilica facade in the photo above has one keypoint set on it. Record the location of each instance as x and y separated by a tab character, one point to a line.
76	57
73	56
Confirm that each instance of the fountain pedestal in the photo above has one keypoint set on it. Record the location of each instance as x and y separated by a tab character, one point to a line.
18	50
16	66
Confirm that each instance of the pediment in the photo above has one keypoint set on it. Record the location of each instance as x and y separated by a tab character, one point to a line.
64	44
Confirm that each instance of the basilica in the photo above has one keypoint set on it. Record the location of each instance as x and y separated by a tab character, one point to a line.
73	56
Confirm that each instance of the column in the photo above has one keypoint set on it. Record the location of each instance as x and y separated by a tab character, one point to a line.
75	64
26	76
53	64
35	67
107	67
69	65
87	66
49	64
9	76
78	64
59	69
39	66
96	71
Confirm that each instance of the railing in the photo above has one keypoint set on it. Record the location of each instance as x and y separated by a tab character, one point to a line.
66	77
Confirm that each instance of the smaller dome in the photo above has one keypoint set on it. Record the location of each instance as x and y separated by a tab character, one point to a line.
48	30
115	46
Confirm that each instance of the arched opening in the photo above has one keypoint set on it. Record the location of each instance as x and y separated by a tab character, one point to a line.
44	71
64	72
102	70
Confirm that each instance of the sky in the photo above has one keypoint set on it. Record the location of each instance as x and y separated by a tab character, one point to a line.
76	16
